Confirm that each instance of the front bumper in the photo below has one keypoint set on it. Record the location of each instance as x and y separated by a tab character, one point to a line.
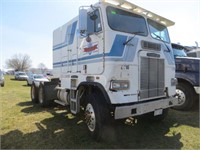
143	108
197	89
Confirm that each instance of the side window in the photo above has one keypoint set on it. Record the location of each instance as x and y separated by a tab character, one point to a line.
94	22
69	37
72	33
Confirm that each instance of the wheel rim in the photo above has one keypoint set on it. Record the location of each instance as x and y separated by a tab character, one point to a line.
181	96
90	117
33	92
41	95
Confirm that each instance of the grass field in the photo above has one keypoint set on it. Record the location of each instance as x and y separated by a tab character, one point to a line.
28	126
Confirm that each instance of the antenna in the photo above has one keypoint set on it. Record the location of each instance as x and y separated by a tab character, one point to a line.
197	45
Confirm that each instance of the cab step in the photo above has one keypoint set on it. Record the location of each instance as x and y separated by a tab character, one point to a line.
59	102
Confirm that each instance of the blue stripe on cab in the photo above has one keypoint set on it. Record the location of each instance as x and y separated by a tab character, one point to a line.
118	46
117	50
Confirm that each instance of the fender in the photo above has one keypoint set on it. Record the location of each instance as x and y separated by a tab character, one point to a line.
99	87
184	77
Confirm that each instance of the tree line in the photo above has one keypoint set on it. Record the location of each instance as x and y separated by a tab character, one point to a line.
22	62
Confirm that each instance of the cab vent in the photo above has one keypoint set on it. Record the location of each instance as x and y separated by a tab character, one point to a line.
150	46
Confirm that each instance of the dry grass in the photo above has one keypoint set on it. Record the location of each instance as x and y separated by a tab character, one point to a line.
28	126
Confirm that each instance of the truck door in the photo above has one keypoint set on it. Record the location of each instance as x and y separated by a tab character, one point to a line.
68	52
72	48
91	46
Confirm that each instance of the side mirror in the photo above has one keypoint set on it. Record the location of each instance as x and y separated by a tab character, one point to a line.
82	20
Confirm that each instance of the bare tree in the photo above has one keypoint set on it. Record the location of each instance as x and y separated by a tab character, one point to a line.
42	67
19	62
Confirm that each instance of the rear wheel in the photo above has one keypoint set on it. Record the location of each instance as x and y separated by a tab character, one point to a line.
96	116
185	95
42	98
2	85
34	93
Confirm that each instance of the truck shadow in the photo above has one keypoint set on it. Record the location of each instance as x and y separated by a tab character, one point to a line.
178	117
25	85
63	130
35	108
26	103
73	136
13	79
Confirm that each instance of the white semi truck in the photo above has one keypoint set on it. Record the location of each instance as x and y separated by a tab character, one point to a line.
114	60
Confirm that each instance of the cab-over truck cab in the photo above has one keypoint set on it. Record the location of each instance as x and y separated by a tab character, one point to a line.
115	60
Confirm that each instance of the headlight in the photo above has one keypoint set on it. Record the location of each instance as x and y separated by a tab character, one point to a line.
119	85
174	81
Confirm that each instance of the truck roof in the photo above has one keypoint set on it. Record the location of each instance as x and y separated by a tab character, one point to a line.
139	10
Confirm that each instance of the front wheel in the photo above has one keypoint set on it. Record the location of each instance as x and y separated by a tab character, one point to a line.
96	116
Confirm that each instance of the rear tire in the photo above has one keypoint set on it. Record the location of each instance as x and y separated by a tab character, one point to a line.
42	98
2	85
96	116
185	95
34	93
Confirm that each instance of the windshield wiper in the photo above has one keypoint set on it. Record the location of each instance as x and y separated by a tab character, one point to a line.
135	33
158	36
168	50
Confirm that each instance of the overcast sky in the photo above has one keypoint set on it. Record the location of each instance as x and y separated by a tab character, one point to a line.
26	26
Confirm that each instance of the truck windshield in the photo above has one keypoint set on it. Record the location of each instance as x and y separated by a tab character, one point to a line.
158	31
124	21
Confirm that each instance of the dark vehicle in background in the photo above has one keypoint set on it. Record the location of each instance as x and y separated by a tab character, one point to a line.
2	80
187	73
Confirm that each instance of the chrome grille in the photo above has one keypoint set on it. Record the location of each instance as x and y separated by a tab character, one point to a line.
151	78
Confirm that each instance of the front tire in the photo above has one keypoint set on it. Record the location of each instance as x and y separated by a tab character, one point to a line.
186	96
96	116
